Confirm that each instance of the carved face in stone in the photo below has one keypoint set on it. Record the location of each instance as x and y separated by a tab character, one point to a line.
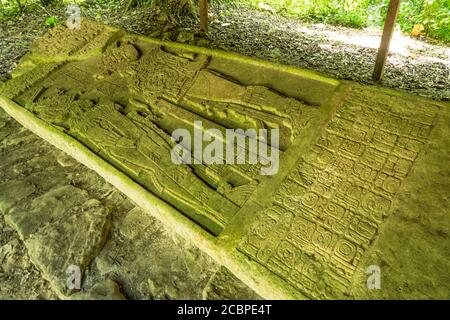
162	73
119	56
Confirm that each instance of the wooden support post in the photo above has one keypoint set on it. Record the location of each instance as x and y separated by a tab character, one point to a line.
203	11
388	31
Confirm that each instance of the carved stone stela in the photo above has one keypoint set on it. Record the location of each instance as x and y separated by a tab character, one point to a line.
122	97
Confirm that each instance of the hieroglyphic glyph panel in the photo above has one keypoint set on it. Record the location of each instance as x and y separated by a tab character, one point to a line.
330	208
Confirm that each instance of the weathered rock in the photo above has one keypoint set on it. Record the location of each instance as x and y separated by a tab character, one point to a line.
18	277
12	192
65	160
156	264
61	228
161	251
73	242
105	290
225	286
135	224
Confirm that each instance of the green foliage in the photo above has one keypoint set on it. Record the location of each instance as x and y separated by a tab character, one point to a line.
51	21
434	15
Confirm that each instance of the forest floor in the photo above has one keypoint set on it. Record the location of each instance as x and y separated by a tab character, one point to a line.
413	65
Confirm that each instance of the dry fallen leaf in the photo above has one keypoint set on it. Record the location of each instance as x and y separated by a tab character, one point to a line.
417	30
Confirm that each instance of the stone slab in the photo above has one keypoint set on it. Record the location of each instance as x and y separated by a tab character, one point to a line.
362	174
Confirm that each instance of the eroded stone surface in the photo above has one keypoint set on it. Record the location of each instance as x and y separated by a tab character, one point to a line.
156	262
223	286
20	279
73	240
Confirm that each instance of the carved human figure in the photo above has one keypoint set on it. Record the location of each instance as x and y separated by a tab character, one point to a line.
185	80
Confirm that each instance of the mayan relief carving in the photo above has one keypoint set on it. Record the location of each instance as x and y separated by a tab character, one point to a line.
361	182
125	103
331	206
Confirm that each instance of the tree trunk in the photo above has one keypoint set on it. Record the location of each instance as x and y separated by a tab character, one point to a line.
203	11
